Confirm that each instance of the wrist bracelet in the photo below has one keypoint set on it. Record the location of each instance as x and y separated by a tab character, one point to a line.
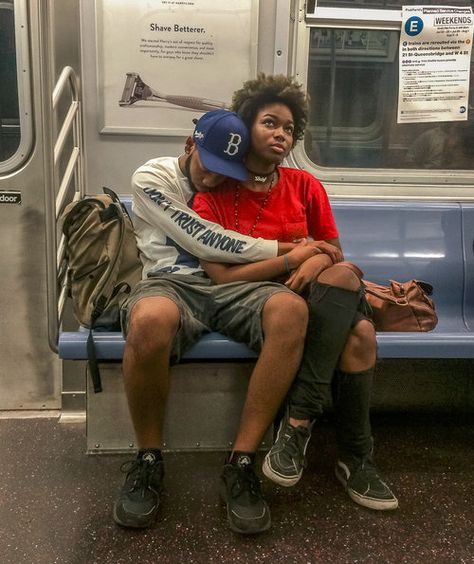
286	262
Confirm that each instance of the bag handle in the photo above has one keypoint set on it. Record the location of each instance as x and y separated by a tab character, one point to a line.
370	288
117	200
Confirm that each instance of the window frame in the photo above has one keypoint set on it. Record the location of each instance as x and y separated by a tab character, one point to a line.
368	182
23	71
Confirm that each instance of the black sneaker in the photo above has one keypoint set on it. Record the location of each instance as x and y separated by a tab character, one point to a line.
247	511
285	461
364	485
139	498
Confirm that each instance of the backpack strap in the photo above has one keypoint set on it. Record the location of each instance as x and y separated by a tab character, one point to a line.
91	353
111	193
112	211
92	363
117	200
109	213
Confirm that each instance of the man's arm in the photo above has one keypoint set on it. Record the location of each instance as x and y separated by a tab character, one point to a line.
155	202
262	270
302	264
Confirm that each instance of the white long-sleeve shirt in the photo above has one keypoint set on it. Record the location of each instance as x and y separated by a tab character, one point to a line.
171	236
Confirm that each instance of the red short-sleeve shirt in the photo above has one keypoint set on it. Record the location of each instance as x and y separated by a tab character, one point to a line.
298	206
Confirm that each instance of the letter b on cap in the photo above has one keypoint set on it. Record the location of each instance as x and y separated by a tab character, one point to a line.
233	145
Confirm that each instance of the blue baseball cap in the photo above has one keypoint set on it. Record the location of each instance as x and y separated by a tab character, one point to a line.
222	140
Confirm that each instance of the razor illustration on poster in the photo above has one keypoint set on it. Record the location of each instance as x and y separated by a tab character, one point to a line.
135	90
170	58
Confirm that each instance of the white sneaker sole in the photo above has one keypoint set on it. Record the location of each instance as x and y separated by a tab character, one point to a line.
370	503
277	478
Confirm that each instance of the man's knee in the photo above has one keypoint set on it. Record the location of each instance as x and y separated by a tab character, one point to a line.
361	345
285	314
153	325
342	275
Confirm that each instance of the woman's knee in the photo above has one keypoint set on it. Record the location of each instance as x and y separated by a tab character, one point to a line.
342	275
153	324
287	314
360	350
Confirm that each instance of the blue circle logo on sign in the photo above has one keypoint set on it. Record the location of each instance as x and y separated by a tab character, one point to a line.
413	26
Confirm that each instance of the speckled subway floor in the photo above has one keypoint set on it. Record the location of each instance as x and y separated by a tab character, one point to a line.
55	502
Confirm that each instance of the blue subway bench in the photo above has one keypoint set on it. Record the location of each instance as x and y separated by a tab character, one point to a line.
388	240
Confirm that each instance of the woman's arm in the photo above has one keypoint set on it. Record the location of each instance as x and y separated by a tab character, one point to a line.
331	247
307	272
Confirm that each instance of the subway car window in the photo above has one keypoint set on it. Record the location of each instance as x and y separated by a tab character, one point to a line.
16	129
9	107
388	4
353	85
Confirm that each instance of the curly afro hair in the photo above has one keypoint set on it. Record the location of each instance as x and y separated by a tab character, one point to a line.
264	90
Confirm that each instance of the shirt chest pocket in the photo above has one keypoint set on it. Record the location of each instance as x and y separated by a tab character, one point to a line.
295	230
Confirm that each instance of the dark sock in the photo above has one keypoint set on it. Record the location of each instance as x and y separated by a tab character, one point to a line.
151	455
351	396
241	458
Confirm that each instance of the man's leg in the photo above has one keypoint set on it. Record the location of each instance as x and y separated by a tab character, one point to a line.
283	323
152	326
333	302
160	318
154	322
352	388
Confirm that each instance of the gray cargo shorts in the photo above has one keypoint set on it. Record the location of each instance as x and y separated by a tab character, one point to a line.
232	309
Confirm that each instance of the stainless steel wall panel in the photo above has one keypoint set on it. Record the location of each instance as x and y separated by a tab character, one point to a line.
203	409
30	374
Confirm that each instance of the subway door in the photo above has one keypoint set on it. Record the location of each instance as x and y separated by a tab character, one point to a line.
30	372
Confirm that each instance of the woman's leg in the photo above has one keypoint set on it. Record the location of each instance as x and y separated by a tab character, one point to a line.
333	302
352	388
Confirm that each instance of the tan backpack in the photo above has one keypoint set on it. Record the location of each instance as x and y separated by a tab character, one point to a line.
103	264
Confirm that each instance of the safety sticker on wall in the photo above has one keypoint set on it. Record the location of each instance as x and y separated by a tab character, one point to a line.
10	197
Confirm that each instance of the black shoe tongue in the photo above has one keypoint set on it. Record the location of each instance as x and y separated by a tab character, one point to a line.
149	457
243	460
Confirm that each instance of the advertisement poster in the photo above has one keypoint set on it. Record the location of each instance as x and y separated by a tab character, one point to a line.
162	63
434	67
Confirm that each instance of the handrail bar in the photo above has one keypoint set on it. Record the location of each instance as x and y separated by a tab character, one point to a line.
62	244
65	129
67	77
62	297
57	191
61	251
68	173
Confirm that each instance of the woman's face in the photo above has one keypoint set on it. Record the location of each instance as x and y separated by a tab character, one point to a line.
272	134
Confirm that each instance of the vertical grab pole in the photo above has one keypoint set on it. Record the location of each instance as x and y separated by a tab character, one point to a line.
43	15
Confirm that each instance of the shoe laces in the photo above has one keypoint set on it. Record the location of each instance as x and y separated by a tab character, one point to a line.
293	439
367	466
139	474
244	480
